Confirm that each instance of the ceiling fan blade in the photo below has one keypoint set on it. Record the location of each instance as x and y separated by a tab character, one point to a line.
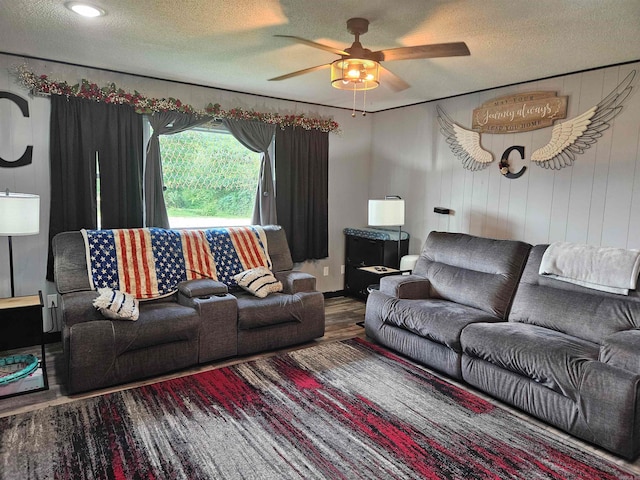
393	81
299	72
435	50
304	41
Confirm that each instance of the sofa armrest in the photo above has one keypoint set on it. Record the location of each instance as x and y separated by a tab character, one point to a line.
622	350
77	307
91	355
410	287
202	287
609	404
296	282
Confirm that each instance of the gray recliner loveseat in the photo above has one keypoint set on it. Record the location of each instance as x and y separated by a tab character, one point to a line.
200	323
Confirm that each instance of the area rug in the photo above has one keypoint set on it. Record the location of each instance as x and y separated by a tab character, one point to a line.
343	410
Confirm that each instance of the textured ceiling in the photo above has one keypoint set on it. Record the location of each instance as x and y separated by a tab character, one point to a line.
230	44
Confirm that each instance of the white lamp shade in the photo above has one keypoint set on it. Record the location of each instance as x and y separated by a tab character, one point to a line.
388	212
19	214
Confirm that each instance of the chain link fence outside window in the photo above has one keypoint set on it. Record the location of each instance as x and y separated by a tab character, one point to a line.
208	173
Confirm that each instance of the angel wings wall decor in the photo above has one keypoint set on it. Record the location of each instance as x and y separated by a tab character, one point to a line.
568	139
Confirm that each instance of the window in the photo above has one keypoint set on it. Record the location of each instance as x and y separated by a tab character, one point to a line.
210	178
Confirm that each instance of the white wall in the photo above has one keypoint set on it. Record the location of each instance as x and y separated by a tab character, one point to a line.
349	162
16	132
399	152
595	201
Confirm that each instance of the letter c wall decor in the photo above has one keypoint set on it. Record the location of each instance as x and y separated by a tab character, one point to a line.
504	162
26	157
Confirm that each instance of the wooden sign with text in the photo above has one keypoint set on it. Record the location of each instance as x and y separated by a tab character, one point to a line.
521	112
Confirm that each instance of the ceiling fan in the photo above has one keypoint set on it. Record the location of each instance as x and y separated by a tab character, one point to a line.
359	68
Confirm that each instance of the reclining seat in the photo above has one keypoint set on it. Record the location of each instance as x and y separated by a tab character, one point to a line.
458	280
171	333
293	316
569	355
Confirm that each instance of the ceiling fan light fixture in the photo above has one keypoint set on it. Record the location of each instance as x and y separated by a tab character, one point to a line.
355	74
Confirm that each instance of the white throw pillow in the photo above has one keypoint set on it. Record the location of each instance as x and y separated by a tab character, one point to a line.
117	305
259	281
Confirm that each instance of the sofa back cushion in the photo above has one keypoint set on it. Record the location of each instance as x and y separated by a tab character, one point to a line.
578	311
278	248
70	260
478	272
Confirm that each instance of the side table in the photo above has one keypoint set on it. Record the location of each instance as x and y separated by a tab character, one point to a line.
373	274
376	272
382	271
366	247
21	326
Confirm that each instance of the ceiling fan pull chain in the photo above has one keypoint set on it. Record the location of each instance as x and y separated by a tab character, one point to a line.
353	113
364	101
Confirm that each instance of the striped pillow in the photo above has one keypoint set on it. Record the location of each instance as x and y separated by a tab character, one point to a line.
117	305
259	281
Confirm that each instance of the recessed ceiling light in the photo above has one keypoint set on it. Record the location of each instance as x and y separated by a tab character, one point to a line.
85	9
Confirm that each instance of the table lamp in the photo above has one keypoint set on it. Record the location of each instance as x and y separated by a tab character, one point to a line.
387	213
19	216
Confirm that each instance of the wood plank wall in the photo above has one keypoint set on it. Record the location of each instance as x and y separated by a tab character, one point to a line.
596	201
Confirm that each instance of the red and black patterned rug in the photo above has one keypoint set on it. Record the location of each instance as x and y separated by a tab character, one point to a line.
338	410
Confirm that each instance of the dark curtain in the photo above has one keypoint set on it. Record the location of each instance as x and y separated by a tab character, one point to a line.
257	137
120	158
163	123
80	130
302	169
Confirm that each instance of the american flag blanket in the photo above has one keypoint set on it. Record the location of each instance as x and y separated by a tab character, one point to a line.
150	262
237	249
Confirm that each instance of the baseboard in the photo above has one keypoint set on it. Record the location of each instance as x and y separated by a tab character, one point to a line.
339	293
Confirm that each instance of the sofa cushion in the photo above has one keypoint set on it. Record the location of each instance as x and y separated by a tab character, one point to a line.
478	272
575	310
158	323
437	320
551	358
254	312
278	248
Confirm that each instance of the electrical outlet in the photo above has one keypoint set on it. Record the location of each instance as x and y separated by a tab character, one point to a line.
325	272
52	301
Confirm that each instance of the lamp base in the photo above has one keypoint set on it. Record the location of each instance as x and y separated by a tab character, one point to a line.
399	242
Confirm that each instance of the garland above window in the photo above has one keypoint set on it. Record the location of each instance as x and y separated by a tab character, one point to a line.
43	85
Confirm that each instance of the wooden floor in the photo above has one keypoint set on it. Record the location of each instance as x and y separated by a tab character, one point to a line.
342	317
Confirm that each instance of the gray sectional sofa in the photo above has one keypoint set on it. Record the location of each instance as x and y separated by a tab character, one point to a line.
477	310
200	323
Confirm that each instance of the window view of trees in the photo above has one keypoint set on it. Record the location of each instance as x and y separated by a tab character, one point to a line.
210	178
